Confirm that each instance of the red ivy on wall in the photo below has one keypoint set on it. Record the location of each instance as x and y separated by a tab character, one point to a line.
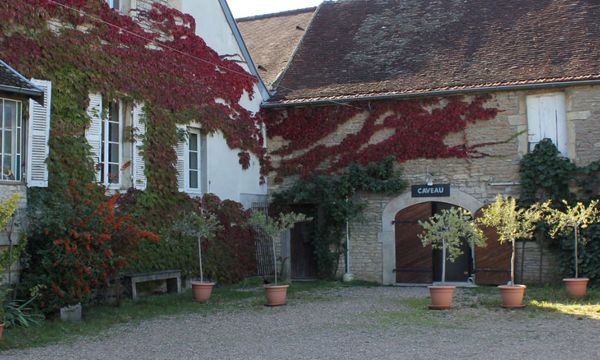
162	63
417	129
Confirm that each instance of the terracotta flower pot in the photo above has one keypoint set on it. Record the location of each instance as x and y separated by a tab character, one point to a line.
576	287
276	294
441	297
512	296
202	290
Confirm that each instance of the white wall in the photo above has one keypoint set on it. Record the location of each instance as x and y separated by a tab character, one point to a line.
225	175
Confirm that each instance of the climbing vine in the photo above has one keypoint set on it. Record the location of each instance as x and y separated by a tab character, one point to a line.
415	128
330	200
547	175
85	47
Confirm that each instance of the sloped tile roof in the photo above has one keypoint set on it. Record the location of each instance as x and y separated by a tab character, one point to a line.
13	82
357	48
272	39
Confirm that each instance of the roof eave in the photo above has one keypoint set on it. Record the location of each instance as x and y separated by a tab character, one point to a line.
338	100
37	95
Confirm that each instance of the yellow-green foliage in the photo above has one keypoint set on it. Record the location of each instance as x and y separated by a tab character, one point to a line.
274	227
450	227
7	209
574	217
510	221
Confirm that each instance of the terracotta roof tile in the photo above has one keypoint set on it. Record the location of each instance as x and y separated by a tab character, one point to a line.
363	47
272	39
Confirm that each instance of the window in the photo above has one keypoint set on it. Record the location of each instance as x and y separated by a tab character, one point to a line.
112	130
115	4
194	160
11	139
123	6
547	119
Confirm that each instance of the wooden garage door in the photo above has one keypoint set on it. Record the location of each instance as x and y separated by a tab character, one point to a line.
492	263
413	261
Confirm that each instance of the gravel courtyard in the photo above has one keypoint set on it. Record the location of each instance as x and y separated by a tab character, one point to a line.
345	323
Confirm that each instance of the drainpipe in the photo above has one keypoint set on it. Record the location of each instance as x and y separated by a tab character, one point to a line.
348	275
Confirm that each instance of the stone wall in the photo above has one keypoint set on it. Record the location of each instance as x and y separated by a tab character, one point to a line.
536	264
476	180
7	189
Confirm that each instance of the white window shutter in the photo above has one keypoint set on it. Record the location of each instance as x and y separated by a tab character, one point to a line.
181	149
534	121
93	134
546	119
38	136
139	165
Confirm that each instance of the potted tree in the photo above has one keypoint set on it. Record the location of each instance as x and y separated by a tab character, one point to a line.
276	294
446	231
575	217
511	223
206	226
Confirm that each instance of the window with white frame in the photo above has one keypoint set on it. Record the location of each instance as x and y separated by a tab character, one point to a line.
112	149
123	6
547	119
194	150
115	4
11	139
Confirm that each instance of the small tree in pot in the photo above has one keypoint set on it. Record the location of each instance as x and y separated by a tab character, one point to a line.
206	225
276	294
511	223
446	231
575	217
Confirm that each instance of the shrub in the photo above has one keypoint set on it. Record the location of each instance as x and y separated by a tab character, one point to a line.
546	174
227	257
78	243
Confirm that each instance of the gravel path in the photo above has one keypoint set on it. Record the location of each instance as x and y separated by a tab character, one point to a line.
352	323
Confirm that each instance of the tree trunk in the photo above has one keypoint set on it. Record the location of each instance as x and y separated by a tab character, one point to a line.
576	254
443	261
200	258
512	264
274	259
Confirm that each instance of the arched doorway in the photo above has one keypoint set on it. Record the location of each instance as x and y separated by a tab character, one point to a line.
418	264
387	234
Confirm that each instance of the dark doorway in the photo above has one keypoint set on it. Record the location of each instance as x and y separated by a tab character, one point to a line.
461	269
418	264
302	251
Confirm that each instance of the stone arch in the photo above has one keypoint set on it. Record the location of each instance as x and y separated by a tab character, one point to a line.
387	234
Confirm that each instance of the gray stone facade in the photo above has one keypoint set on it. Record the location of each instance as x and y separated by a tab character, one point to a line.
474	182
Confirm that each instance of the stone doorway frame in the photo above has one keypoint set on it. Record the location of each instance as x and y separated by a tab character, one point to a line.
387	235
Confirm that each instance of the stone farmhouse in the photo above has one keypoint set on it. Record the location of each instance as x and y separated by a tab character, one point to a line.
457	91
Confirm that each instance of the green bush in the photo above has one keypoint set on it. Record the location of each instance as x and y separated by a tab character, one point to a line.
547	175
78	242
227	257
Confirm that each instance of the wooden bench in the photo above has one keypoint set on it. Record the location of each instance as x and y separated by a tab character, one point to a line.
171	277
